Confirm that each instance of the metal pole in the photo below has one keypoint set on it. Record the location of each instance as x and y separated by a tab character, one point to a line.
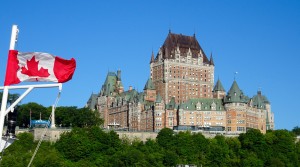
53	118
13	40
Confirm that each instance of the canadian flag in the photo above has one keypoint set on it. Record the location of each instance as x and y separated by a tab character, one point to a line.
37	66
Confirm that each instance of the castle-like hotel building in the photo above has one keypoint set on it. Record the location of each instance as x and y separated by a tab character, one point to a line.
181	93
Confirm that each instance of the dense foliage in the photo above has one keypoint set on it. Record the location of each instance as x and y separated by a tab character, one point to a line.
64	116
88	145
10	98
296	130
91	146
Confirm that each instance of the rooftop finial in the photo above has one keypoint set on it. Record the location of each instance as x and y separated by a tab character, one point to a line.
259	90
152	57
211	61
235	75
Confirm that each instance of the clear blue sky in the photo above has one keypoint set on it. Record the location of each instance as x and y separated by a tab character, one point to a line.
258	39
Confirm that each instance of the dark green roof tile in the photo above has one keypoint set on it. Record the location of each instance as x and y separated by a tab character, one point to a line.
203	104
172	104
218	86
235	95
260	101
158	98
149	85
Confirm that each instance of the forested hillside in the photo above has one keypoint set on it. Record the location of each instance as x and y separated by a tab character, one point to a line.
91	146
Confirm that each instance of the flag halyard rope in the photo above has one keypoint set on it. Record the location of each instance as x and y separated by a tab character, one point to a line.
45	130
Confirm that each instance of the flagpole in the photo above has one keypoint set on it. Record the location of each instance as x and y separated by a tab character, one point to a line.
13	40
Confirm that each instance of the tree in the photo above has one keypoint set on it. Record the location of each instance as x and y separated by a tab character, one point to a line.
87	143
72	116
297	150
282	148
64	116
218	152
37	110
75	145
200	148
10	98
234	146
154	153
296	130
253	141
251	160
165	138
185	148
20	152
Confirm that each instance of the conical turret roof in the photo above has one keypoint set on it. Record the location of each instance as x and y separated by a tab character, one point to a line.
218	86
235	95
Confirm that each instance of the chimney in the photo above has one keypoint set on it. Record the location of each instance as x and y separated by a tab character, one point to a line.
130	88
259	93
119	75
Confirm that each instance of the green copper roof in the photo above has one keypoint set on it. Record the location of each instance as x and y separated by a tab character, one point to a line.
130	95
218	86
260	101
203	104
92	102
121	84
172	104
110	84
148	105
235	95
141	97
149	85
158	98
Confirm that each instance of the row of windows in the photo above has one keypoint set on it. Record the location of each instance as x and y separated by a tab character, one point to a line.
188	68
186	73
238	121
191	78
240	129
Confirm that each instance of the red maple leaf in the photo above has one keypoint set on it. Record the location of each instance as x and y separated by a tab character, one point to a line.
33	69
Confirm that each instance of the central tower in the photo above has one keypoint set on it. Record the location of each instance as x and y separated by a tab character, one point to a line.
182	70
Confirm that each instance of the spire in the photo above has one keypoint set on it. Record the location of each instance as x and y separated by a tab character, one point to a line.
211	61
149	85
194	33
218	86
152	57
234	89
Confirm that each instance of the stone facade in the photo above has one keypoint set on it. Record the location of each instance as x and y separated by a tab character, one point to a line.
180	92
182	70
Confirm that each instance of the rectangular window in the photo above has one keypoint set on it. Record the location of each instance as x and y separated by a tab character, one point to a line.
241	129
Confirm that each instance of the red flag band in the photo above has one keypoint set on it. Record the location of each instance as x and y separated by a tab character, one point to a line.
37	66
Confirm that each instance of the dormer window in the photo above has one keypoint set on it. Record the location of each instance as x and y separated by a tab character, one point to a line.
198	106
213	106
